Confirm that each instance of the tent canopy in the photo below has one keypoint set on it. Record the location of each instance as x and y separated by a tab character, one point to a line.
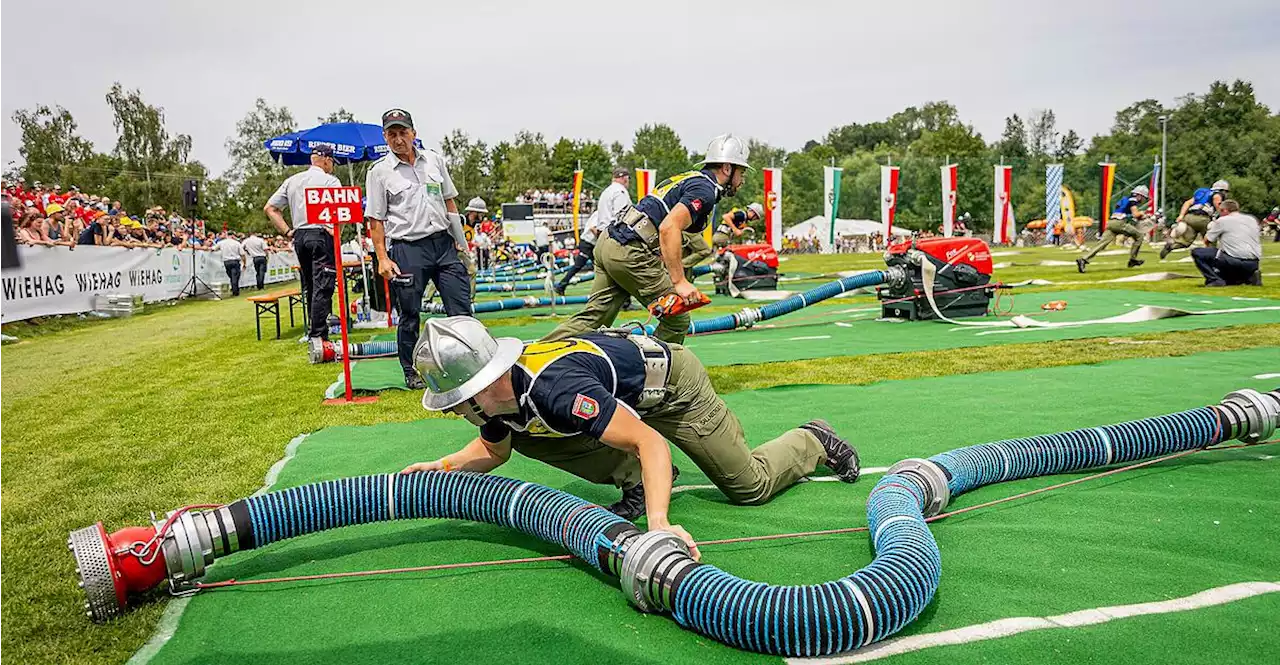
819	226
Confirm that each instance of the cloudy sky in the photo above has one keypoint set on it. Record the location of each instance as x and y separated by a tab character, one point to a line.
782	71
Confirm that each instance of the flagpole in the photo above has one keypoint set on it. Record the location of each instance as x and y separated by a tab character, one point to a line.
1164	160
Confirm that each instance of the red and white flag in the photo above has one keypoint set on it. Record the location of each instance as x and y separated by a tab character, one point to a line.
888	199
948	199
646	180
773	208
1002	206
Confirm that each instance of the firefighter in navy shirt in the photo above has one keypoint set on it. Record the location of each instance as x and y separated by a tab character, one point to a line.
734	223
1125	221
641	252
602	406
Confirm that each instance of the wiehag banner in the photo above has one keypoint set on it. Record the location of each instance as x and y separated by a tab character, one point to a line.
61	280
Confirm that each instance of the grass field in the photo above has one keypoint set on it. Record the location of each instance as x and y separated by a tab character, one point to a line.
109	420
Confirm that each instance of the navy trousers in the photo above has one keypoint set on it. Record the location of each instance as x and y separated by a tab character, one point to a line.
1221	269
431	258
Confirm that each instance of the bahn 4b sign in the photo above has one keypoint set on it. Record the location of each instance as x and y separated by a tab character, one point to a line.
334	205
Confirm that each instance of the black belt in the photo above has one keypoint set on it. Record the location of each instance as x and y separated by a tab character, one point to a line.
429	236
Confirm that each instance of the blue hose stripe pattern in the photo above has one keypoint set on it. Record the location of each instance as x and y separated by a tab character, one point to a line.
549	514
519	277
974	466
826	618
504	288
871	604
792	303
373	348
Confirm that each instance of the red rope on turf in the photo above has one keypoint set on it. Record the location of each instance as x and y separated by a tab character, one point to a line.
722	541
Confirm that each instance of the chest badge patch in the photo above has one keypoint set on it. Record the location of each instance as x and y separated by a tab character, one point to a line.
585	408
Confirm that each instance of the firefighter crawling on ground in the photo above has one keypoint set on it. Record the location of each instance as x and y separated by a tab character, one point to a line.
602	406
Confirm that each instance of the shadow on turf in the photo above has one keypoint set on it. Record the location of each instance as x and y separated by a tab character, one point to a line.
274	560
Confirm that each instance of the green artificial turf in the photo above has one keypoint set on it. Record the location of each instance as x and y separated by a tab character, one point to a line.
112	419
851	329
1165	531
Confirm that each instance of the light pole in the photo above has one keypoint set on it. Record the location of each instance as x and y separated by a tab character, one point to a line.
1164	160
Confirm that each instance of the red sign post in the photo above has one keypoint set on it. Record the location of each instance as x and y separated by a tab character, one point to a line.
337	206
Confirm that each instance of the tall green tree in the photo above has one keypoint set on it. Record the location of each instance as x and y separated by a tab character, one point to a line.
253	176
50	147
660	148
522	165
470	165
1013	141
153	161
1042	133
340	115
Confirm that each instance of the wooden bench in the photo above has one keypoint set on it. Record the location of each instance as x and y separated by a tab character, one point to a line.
269	303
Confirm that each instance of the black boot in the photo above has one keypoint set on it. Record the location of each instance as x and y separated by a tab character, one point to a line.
842	458
1081	263
414	382
1168	247
631	506
1134	263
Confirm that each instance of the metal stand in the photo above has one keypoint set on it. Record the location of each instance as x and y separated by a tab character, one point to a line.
192	288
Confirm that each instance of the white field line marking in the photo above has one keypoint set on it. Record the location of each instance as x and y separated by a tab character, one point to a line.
1014	625
766	341
1267	376
812	479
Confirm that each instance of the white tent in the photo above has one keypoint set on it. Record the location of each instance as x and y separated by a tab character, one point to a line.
819	226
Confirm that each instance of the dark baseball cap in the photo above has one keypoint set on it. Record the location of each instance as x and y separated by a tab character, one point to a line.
397	117
323	149
621	172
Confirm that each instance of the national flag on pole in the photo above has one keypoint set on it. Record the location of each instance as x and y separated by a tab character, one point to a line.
773	208
1105	186
888	199
577	203
646	180
831	200
948	199
1052	199
1002	206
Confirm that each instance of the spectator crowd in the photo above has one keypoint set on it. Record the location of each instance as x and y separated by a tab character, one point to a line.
49	216
551	200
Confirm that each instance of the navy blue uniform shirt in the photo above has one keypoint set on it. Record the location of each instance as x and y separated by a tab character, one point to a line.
570	387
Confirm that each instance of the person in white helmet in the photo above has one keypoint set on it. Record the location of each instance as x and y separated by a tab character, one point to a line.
603	407
734	223
641	254
1126	220
1197	212
475	212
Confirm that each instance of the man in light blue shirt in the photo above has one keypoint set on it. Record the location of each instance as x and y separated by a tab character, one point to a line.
313	243
417	232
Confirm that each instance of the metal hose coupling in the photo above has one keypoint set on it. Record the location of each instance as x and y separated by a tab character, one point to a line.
932	477
322	351
652	563
112	566
896	276
749	316
1249	416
